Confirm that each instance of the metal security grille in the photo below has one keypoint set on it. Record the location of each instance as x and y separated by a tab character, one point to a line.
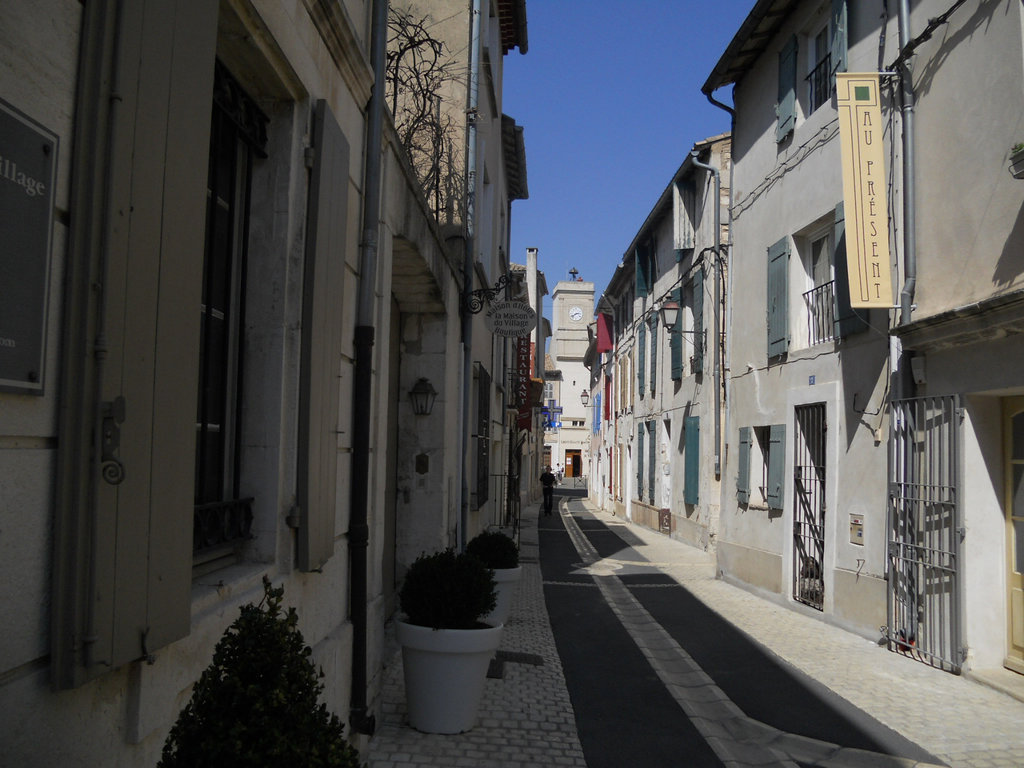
924	530
809	505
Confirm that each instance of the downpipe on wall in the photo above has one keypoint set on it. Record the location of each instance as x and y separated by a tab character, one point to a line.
360	720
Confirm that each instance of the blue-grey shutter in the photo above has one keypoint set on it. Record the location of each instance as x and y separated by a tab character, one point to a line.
675	339
786	107
775	491
323	276
654	352
778	301
640	461
846	320
641	368
691	469
642	269
652	451
840	28
743	466
698	319
122	570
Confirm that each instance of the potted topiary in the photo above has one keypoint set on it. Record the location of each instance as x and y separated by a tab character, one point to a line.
257	703
499	553
446	649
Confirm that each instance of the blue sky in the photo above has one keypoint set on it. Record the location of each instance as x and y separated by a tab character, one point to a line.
609	98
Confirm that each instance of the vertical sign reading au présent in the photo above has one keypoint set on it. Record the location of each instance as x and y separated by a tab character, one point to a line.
864	200
28	154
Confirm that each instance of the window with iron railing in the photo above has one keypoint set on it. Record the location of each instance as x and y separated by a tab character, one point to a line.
820	303
819	83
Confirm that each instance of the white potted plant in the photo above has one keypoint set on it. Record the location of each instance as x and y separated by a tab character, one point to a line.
498	552
446	648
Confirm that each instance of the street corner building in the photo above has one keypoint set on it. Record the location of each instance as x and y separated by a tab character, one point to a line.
225	269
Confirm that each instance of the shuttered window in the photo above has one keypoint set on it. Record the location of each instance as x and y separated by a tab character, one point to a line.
652	450
697	291
641	368
839	24
786	107
640	461
123	590
675	338
775	490
654	352
743	466
691	460
321	341
778	298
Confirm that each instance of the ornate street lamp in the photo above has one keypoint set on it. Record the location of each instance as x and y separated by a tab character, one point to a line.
585	398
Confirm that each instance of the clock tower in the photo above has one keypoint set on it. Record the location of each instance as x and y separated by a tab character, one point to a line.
572	310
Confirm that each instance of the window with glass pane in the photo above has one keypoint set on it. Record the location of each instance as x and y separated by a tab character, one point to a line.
222	520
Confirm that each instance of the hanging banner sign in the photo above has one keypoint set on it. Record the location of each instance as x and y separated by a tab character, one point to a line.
864	200
510	318
524	368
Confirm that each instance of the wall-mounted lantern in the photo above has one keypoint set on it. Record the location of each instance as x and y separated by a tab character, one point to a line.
585	398
422	395
669	313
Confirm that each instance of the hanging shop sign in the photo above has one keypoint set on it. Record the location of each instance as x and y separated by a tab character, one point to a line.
864	198
28	161
510	318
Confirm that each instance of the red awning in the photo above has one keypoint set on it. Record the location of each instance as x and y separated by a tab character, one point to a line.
604	333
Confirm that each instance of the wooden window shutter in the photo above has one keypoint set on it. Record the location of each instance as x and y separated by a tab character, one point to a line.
323	279
691	470
697	288
641	368
786	107
840	27
641	272
654	352
743	466
652	455
778	298
124	590
775	491
676	339
640	461
846	320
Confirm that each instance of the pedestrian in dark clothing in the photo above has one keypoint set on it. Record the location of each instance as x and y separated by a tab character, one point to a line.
548	481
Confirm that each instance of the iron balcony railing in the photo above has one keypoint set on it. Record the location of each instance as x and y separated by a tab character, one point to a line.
819	83
218	531
820	303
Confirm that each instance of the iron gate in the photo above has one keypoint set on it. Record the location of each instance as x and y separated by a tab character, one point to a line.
924	530
809	506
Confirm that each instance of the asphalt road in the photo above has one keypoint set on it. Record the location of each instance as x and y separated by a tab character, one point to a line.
624	713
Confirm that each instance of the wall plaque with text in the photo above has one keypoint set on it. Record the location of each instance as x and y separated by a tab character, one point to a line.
28	164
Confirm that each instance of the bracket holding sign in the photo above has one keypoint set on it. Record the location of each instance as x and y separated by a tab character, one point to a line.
475	299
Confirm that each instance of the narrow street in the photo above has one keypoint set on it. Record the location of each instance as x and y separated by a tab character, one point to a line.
682	685
624	649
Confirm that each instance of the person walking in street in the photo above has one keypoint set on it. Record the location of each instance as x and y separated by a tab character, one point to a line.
548	481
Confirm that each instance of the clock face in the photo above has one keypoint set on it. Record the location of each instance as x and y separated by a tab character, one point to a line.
575	314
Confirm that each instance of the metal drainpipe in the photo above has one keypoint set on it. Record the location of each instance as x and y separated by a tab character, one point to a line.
360	719
468	261
909	187
718	301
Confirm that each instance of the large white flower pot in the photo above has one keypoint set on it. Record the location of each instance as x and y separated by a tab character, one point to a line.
445	673
506	581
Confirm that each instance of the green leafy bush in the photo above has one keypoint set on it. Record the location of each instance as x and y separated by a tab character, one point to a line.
494	549
257	703
446	590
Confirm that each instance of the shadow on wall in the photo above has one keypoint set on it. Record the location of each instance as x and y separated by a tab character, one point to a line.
1011	262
